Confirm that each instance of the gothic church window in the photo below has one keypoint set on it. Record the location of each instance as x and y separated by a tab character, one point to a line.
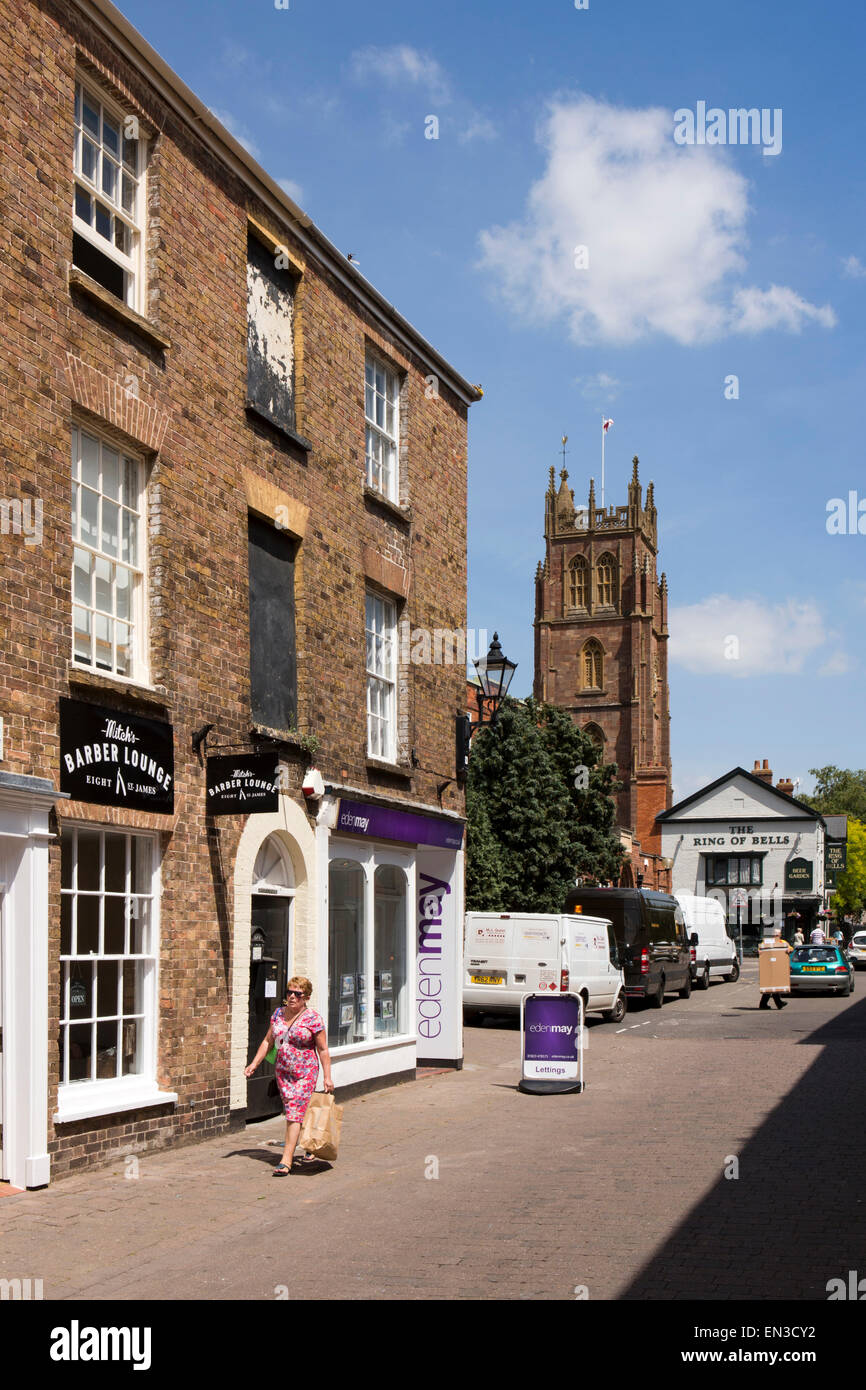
576	590
605	591
592	665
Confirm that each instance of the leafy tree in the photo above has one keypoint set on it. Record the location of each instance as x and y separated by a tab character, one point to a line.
838	790
522	798
850	897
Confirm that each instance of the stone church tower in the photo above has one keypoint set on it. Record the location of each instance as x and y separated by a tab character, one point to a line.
601	636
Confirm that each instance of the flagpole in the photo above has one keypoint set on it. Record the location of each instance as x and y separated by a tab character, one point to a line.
603	432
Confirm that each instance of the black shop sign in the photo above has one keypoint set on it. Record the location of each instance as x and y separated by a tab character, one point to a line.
242	785
798	875
116	759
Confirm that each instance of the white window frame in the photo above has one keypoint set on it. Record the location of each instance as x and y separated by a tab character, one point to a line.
370	857
132	264
382	448
108	1095
137	620
380	628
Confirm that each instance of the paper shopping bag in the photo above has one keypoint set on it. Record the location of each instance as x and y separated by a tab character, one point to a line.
320	1131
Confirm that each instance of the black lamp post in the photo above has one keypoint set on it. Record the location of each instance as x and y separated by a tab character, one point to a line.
495	672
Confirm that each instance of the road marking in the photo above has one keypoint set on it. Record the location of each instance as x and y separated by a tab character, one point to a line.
622	1030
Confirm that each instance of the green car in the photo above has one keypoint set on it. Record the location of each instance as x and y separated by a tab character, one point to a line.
825	968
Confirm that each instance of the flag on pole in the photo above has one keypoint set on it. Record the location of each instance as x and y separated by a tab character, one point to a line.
605	425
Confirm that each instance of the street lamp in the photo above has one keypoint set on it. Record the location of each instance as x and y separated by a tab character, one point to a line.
495	673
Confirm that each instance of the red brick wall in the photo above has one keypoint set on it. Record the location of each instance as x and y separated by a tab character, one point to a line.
192	398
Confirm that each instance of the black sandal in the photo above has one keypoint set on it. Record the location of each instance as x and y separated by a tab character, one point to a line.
282	1170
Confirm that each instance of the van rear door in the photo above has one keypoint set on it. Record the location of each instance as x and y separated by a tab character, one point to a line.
537	953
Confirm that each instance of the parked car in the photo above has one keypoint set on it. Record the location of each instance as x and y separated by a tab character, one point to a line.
650	935
857	948
825	968
714	954
510	954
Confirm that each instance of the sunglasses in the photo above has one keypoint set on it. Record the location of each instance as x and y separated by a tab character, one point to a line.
296	993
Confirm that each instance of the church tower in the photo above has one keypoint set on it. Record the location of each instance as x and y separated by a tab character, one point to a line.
601	638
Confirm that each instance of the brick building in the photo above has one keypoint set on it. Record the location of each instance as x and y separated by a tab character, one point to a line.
267	467
601	639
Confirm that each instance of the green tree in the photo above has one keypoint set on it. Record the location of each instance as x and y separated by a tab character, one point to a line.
521	796
850	897
838	790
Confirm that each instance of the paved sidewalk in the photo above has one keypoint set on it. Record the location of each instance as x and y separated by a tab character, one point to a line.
620	1190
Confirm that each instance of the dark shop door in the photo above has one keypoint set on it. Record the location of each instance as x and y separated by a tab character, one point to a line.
269	957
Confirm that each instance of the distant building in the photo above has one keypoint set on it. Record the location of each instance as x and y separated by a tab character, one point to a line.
601	638
753	847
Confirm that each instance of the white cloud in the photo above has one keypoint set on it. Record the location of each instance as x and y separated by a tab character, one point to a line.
400	63
239	131
837	665
294	190
477	127
664	226
853	268
778	307
743	637
600	385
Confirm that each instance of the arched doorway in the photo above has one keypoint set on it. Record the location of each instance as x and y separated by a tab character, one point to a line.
273	891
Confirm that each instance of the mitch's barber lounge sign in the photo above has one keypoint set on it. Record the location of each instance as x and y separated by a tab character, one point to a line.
239	785
116	759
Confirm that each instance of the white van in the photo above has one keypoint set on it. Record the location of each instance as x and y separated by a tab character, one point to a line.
509	954
714	954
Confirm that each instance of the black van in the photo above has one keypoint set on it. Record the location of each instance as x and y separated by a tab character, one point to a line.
651	938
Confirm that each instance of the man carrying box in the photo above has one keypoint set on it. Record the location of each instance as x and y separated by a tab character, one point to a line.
774	971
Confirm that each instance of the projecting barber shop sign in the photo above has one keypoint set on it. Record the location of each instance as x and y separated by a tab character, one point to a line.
116	759
243	784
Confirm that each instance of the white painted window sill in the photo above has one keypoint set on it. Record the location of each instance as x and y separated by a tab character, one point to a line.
378	1045
84	1100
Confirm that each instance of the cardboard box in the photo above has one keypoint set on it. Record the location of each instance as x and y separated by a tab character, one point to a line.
774	971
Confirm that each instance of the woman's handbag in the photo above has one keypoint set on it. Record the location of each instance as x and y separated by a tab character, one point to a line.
272	1055
320	1131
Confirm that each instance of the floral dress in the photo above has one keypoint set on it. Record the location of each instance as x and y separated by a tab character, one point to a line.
297	1064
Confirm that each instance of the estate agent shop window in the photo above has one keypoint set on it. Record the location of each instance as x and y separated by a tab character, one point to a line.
368	951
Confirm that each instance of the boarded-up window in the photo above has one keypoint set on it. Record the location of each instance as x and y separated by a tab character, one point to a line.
270	349
273	658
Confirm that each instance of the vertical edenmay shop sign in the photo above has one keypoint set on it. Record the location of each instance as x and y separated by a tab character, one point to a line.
439	1007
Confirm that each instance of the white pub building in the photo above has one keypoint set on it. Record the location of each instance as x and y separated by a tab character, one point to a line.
753	847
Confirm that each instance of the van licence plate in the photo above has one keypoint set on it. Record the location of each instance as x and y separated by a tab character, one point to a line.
488	979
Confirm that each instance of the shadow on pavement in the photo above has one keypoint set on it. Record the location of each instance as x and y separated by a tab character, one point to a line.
794	1218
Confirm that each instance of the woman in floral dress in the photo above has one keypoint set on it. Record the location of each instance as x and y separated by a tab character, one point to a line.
298	1033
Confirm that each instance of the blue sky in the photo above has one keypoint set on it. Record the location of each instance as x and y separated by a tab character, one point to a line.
556	129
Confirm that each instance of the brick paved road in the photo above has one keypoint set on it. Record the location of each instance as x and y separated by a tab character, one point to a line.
620	1189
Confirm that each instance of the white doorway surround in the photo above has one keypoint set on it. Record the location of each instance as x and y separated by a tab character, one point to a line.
25	803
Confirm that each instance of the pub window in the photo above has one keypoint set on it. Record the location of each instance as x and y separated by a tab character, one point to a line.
737	870
108	213
273	658
107	955
270	340
108	558
592	663
578	576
